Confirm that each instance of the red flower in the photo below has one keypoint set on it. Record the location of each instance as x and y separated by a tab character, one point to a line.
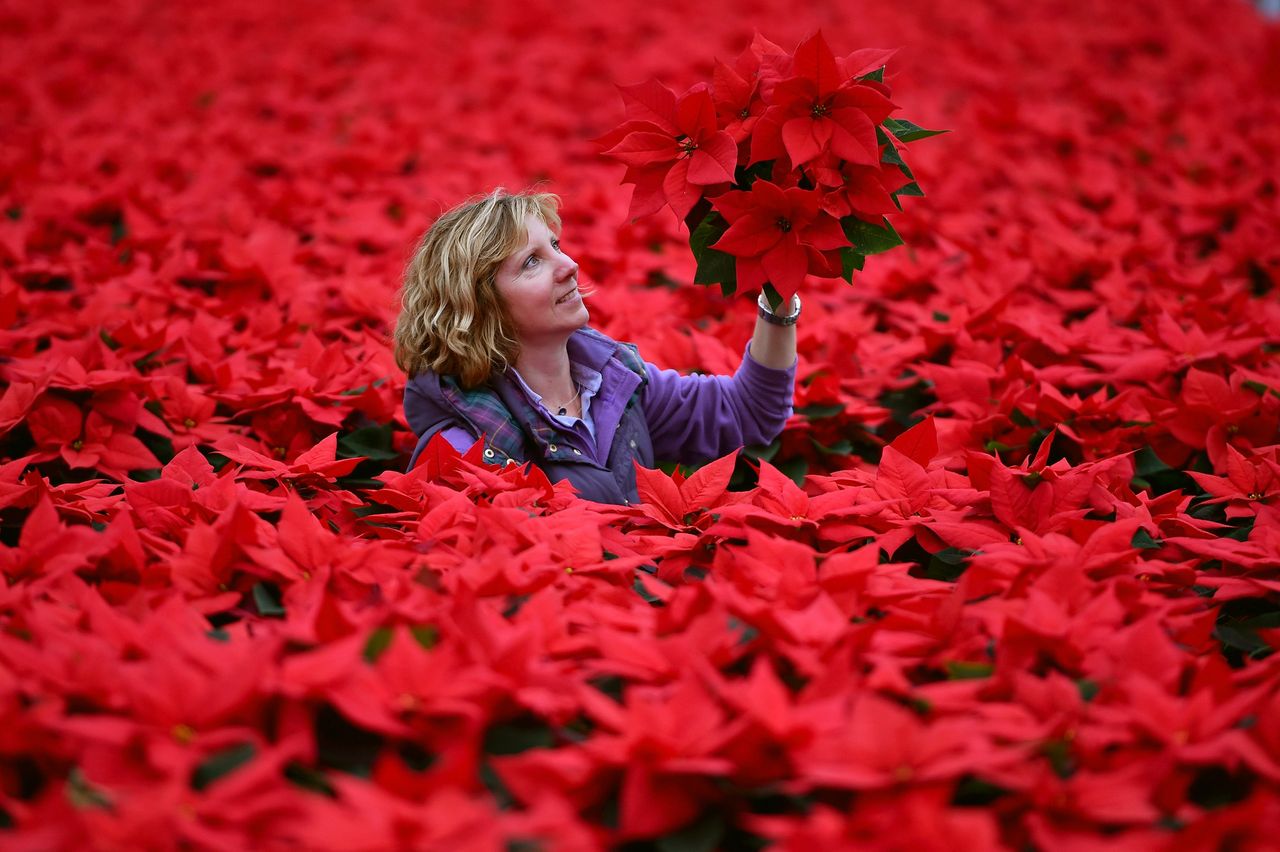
664	740
884	744
818	109
778	235
1212	413
673	150
738	102
103	439
864	191
741	92
191	415
675	503
1250	480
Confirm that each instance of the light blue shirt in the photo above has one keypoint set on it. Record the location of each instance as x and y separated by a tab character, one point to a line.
588	380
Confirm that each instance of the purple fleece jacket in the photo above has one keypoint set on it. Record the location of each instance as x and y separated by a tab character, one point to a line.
689	419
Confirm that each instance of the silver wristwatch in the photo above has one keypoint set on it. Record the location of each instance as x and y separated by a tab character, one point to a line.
767	314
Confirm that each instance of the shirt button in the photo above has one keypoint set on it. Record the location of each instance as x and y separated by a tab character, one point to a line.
488	453
577	452
633	443
552	447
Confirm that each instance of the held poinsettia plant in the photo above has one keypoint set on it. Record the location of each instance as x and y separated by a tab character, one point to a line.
784	166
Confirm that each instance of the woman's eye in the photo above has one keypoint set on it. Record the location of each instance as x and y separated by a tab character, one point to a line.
555	244
529	260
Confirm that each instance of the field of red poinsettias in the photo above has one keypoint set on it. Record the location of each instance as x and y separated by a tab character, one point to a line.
1009	579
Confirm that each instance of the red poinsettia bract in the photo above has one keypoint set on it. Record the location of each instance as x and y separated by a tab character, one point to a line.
820	108
778	235
673	148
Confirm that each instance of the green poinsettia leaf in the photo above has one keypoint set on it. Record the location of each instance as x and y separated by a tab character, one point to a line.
714	267
1143	541
850	259
370	442
908	131
222	763
868	238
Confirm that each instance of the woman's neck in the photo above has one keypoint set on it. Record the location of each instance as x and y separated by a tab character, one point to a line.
545	369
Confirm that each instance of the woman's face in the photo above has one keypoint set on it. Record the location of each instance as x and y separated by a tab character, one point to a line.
539	284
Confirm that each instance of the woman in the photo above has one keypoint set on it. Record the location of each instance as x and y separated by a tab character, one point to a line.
493	335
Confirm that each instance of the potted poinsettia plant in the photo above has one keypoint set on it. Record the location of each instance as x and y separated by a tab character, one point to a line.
785	165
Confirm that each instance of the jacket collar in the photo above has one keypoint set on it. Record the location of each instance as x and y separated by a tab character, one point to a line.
591	348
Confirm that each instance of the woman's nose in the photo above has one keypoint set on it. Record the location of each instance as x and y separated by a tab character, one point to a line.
568	267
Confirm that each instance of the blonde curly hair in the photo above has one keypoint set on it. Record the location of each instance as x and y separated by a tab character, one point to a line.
452	319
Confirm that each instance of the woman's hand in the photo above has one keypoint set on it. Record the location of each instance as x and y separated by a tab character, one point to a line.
775	345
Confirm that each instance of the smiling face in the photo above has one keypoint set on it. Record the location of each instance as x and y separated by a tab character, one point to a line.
539	284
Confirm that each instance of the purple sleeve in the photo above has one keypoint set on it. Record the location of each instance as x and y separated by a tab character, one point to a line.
693	419
460	437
